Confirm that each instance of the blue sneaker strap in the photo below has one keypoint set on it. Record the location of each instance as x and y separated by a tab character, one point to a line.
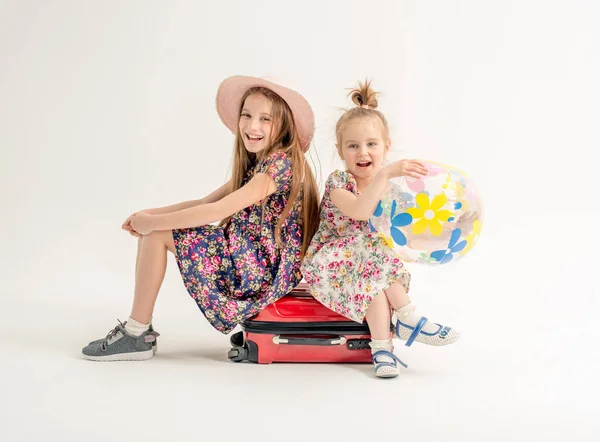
416	331
389	355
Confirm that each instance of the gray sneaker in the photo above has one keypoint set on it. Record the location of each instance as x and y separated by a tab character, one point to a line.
119	345
150	329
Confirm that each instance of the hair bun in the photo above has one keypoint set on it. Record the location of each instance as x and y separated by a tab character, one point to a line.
364	96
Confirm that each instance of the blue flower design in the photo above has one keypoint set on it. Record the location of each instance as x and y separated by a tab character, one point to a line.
445	256
378	212
401	220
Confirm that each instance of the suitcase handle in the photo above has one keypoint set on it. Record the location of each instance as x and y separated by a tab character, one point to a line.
294	340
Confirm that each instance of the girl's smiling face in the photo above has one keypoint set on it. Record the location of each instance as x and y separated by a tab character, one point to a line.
256	123
363	147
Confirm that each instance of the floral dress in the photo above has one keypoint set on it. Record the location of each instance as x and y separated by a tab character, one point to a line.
234	272
346	264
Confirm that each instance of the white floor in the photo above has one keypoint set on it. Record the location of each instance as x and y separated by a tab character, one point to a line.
525	368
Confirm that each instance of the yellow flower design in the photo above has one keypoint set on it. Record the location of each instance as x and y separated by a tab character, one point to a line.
388	240
429	214
472	237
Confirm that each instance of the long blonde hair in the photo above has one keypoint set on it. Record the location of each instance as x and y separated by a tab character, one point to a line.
365	99
284	138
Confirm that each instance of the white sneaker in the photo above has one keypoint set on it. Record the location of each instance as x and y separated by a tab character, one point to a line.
386	364
444	335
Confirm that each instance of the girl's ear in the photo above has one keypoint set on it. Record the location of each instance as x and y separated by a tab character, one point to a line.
388	144
339	151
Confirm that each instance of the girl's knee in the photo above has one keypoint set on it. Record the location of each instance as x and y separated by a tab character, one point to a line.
164	237
152	237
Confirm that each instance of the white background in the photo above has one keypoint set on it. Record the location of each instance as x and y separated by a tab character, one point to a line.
108	107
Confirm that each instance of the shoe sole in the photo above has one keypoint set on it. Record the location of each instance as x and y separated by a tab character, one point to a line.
135	356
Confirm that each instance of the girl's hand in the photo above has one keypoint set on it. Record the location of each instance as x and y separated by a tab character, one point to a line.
142	223
127	226
134	233
411	168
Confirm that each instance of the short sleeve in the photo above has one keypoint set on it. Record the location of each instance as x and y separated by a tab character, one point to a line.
340	180
279	167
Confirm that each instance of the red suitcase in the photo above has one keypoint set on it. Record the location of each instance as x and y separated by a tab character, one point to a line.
298	328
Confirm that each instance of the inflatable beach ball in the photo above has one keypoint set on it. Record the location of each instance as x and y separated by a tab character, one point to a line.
434	220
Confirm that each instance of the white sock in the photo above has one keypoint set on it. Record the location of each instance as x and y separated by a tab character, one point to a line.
407	316
136	328
382	344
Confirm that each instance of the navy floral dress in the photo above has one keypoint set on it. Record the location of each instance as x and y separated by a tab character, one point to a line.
234	272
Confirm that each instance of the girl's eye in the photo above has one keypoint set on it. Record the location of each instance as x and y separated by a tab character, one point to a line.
266	119
372	143
245	115
352	146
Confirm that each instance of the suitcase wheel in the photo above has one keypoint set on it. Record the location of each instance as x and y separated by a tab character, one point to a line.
238	354
237	339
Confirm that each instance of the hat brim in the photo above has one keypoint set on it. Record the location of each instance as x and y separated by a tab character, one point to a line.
232	89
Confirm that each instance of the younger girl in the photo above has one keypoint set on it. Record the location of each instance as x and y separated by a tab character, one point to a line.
269	213
350	269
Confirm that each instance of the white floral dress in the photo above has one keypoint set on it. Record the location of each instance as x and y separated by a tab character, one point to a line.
346	264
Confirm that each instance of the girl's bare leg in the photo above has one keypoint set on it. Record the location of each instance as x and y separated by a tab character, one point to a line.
151	264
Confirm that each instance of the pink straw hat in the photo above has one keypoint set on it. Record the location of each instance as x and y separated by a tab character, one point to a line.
232	90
